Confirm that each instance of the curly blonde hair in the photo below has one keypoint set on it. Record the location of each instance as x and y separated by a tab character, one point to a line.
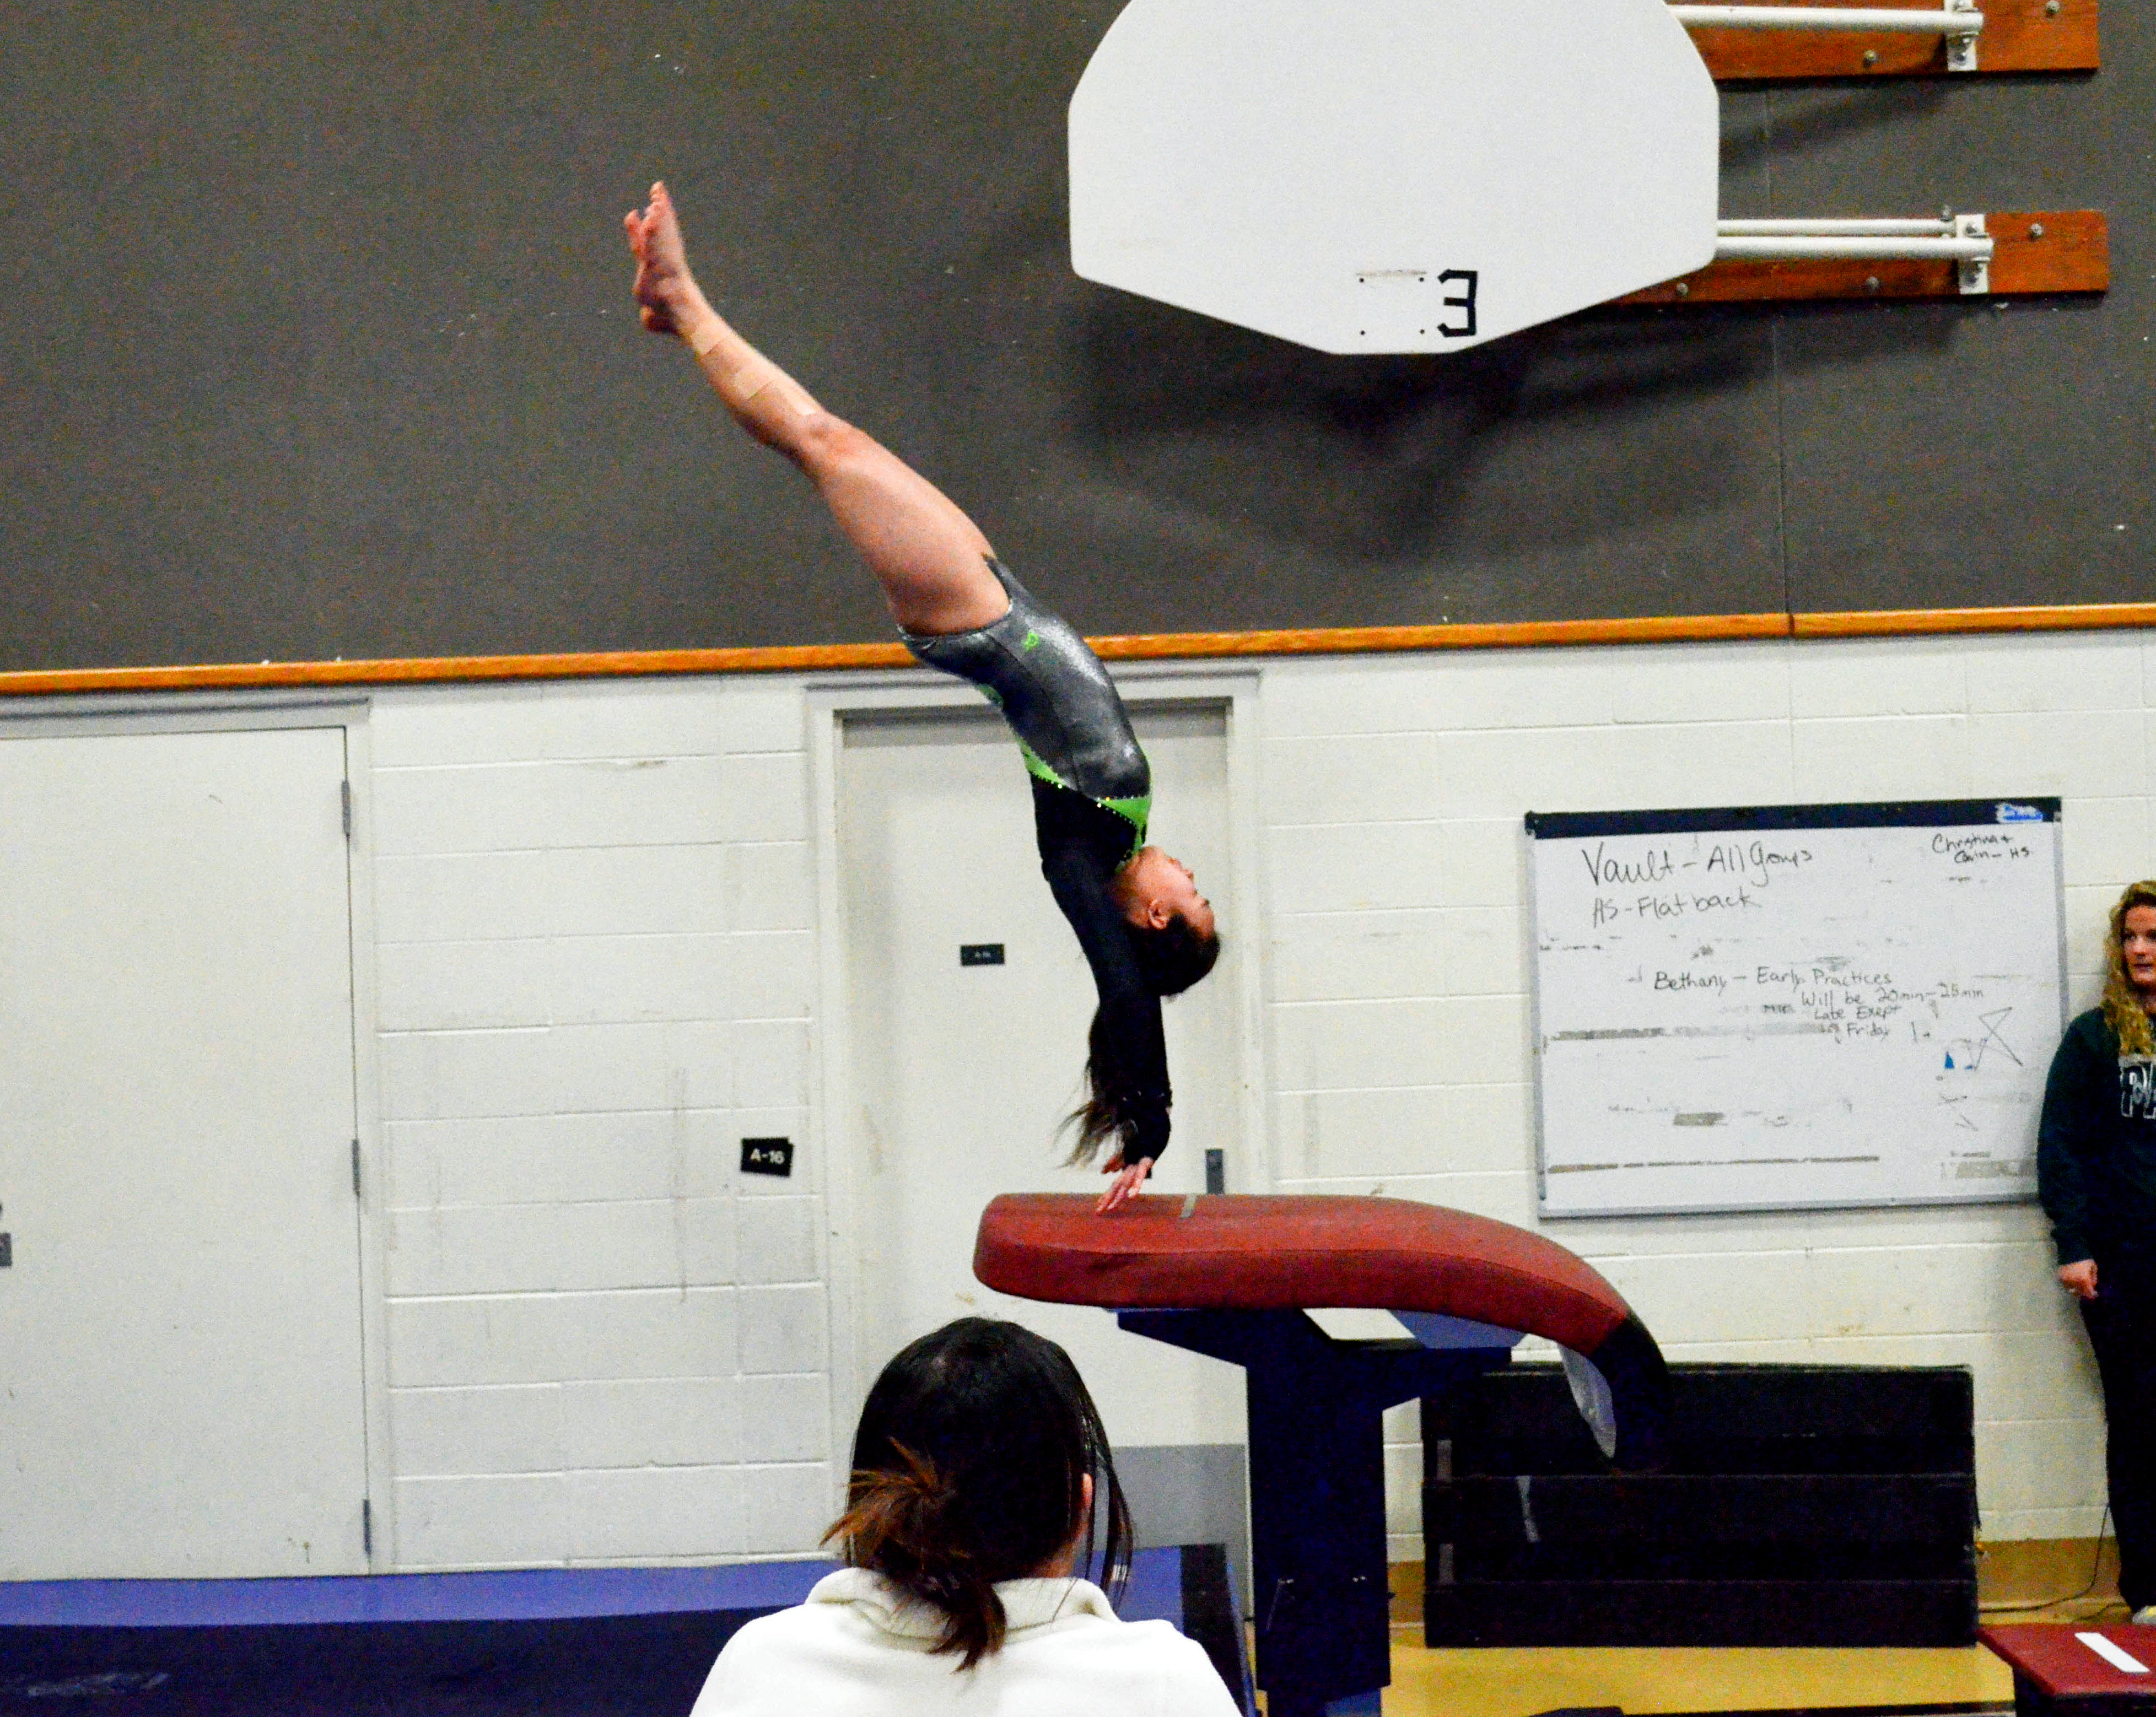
2123	1010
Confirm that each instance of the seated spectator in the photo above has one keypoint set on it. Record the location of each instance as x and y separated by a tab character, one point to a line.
969	1514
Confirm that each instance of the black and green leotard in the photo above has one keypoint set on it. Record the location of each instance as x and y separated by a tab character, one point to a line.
1092	792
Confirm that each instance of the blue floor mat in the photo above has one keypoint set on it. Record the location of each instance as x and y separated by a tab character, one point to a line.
603	1642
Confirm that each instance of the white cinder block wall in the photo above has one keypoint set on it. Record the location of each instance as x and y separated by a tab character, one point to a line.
594	908
592	905
1400	1035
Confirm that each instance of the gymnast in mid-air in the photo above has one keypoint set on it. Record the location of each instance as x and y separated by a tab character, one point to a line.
1146	931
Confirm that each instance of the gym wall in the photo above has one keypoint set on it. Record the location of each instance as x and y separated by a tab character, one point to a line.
315	343
569	945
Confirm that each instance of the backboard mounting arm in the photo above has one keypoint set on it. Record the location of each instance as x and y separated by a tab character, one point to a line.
1960	239
1996	255
1850	38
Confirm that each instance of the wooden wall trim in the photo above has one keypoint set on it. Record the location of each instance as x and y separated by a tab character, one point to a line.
1140	647
1355	640
600	664
1889	622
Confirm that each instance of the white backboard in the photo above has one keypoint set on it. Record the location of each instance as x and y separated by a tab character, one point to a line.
1392	176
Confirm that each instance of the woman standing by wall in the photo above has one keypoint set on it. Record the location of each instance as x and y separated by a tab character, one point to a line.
2096	1174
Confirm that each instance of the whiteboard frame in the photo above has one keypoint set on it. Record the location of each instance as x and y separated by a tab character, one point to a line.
1914	813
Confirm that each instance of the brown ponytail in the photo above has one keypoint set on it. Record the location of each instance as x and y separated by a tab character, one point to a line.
900	1524
970	1467
1109	1107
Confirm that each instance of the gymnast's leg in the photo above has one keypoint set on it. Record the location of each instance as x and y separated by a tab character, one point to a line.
929	556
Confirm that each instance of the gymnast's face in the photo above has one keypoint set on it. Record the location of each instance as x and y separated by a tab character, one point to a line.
1156	888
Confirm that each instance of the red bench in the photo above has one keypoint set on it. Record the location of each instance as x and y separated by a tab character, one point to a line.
2057	1673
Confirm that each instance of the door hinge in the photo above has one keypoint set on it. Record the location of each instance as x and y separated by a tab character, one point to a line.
366	1526
356	1192
344	798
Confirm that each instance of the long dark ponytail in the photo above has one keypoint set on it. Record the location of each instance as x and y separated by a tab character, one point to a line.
969	1468
1171	958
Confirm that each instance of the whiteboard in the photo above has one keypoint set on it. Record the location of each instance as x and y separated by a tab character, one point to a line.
1793	1007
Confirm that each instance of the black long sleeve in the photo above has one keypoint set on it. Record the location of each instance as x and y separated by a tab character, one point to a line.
2076	1094
2096	1155
1081	847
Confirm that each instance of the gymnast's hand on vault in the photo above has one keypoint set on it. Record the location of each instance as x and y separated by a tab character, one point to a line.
1125	1186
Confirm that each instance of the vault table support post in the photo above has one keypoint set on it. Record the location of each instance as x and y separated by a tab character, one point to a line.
1317	1488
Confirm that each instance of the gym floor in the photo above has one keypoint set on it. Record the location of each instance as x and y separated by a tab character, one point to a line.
2019	1582
1523	1682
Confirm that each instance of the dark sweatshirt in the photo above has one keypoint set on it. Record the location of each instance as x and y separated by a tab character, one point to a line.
2096	1155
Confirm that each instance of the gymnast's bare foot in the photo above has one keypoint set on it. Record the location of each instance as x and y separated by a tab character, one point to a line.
667	291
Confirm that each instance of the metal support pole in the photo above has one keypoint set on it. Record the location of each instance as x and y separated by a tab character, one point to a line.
1318	1487
1958	21
1830	17
1882	249
1961	239
1867	228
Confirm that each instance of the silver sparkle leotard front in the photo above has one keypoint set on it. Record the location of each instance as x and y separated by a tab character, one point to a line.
1059	700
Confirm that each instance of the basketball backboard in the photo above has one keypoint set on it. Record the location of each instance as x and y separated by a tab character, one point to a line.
1392	176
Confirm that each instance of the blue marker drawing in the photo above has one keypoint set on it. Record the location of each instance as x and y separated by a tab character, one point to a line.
2009	813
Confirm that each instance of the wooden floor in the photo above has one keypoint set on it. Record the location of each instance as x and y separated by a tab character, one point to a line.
2039	1582
1525	1682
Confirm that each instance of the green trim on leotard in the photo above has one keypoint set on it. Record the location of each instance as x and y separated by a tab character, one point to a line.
1137	811
1057	700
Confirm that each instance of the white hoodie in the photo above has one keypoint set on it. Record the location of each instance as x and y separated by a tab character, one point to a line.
860	1647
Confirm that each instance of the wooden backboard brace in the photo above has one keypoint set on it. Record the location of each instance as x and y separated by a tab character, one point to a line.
2033	252
2017	36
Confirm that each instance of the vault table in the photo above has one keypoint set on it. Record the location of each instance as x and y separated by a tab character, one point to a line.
1233	1276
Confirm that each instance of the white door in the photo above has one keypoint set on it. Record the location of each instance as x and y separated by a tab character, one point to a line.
959	1075
180	1364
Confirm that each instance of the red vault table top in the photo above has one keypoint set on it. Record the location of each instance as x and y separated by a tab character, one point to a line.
2061	1666
1245	1252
